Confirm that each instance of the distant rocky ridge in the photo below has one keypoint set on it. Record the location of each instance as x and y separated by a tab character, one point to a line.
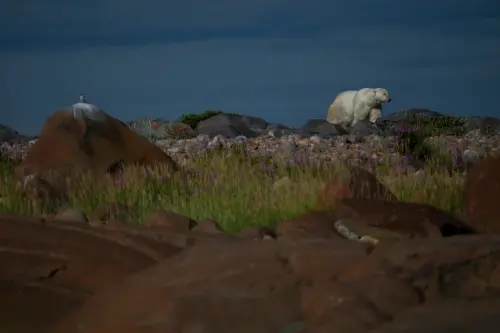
8	134
463	139
233	125
468	141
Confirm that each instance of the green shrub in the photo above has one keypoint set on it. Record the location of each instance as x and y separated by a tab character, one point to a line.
435	126
412	144
192	119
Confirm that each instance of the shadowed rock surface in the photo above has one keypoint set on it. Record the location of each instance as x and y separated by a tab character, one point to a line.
306	286
50	268
411	219
475	316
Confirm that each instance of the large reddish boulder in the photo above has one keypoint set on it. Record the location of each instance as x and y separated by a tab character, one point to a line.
406	218
372	220
72	142
482	195
307	286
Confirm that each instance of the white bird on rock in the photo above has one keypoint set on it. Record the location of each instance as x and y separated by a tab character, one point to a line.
86	110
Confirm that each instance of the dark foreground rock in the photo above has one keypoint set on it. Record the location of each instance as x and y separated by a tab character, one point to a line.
475	316
50	268
307	286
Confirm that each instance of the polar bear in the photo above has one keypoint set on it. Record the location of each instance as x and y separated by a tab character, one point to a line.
351	106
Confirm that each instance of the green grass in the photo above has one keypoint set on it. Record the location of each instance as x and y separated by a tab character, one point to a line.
233	189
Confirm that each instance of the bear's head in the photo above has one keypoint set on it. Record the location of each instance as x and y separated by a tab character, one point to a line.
381	95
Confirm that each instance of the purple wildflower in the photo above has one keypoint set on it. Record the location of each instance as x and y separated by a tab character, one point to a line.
457	159
212	179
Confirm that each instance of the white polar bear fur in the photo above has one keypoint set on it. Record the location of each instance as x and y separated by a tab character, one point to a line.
351	106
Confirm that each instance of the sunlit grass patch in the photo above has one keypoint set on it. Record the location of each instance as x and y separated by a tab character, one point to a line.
236	189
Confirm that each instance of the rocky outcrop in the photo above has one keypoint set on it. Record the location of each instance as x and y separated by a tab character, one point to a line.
72	144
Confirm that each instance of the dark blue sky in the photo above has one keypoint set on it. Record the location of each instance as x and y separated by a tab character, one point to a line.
283	60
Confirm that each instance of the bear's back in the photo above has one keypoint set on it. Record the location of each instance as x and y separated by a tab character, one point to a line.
346	97
341	110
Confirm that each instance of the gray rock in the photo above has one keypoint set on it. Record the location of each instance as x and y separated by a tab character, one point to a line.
287	147
329	130
322	127
217	141
276	126
240	138
387	127
229	125
71	214
254	123
277	130
300	133
315	139
143	126
470	156
489	125
364	128
203	138
352	139
312	125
